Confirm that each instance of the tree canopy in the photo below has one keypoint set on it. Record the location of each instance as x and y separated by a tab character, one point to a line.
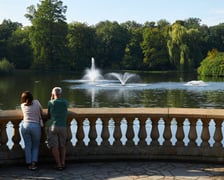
213	64
48	35
50	43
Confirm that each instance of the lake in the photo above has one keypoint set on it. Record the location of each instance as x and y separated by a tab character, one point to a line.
151	90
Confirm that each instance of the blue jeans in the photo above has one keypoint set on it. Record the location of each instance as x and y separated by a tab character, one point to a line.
31	133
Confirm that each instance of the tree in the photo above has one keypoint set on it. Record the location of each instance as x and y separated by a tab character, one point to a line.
192	23
216	37
82	45
213	64
6	30
6	67
48	35
133	52
178	48
154	48
112	39
21	52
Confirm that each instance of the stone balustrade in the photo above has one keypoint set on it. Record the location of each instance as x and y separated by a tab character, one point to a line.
126	134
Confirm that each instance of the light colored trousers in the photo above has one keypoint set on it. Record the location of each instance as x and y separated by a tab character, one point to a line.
31	133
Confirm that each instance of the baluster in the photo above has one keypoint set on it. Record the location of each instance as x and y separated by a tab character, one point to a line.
105	132
69	134
142	131
16	137
192	133
218	133
205	136
155	132
4	137
80	132
92	132
180	132
167	135
130	132
117	132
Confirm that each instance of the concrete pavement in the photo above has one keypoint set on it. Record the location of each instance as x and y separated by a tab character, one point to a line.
123	170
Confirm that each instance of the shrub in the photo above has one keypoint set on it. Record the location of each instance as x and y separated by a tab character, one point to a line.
213	64
6	67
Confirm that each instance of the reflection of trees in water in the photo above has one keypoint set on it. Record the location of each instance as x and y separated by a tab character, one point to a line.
183	98
206	98
121	97
154	98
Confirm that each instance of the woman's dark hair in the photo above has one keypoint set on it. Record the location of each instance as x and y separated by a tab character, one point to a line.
27	98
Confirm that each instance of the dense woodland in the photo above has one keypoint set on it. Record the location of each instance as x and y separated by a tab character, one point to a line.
51	43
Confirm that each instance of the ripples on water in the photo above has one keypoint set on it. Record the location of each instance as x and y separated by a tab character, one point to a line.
161	94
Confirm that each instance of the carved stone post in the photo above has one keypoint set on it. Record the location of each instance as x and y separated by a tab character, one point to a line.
218	133
105	132
205	136
142	131
4	137
167	132
92	131
16	138
80	132
155	132
130	132
117	131
180	132
192	133
69	134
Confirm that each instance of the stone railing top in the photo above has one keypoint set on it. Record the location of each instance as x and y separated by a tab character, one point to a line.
139	112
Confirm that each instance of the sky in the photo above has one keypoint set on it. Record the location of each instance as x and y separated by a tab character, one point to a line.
91	12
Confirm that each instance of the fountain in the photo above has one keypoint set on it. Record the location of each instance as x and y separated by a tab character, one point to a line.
123	78
92	74
196	83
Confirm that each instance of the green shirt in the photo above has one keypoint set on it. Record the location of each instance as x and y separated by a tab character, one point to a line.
58	112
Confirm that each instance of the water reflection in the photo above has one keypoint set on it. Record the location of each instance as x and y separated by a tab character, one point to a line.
160	94
154	90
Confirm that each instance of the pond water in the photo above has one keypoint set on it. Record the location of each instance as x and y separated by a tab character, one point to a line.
151	90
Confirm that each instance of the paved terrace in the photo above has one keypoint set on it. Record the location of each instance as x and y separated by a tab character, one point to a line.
120	170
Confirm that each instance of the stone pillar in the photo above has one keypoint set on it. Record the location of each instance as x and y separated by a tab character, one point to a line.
180	132
205	136
130	132
92	131
167	132
105	132
142	131
155	132
192	132
117	131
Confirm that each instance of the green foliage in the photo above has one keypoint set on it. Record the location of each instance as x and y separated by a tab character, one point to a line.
7	28
52	44
21	52
82	45
48	35
216	37
179	45
154	47
213	64
133	53
112	38
6	67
